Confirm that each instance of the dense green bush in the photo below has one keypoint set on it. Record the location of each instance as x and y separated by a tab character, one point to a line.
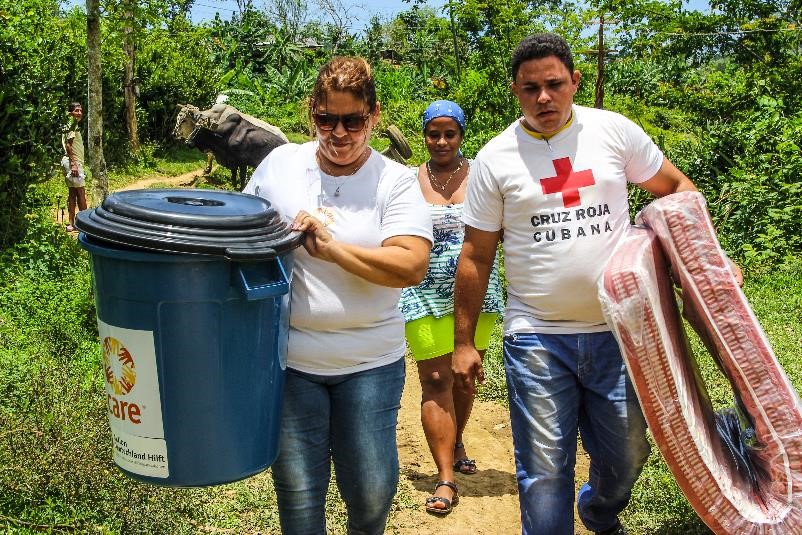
749	171
40	74
175	66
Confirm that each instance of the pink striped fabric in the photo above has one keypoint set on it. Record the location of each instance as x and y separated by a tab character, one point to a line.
640	306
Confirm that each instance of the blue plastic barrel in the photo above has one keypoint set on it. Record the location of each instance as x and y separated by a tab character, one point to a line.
194	350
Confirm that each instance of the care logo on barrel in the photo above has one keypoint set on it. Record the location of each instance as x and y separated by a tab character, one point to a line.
118	366
120	373
133	399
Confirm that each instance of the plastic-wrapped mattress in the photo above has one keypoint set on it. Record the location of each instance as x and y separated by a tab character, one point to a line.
637	296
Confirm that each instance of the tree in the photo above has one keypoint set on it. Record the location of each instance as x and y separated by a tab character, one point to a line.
128	24
288	15
129	88
97	162
340	20
374	39
599	101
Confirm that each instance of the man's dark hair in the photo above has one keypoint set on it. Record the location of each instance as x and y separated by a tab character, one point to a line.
542	45
74	105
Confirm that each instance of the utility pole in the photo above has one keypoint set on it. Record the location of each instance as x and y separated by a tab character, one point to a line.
600	66
129	89
454	34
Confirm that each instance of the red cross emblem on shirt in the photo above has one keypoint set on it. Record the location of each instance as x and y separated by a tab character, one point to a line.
567	181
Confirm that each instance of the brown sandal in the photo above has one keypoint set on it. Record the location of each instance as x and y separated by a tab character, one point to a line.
464	466
449	504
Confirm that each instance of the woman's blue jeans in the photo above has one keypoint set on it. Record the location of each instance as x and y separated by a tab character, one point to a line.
350	419
558	383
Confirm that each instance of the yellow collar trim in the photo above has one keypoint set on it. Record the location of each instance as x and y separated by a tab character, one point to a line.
538	135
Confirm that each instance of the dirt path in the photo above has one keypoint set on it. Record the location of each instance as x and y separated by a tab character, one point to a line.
187	179
488	499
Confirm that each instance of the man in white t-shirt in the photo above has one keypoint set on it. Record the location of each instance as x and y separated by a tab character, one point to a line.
555	184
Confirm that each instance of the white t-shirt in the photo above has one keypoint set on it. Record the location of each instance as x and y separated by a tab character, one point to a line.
563	206
341	323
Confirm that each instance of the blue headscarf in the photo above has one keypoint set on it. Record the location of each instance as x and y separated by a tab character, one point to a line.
444	108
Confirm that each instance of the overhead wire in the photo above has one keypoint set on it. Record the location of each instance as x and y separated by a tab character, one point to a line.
731	32
214	7
791	28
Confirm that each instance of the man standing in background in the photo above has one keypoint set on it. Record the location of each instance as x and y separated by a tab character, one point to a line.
73	162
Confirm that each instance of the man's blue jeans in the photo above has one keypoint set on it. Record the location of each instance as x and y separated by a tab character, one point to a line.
556	384
352	420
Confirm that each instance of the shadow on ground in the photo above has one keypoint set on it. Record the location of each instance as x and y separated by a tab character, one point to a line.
491	483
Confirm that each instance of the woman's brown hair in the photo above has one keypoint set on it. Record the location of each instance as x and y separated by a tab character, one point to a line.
345	73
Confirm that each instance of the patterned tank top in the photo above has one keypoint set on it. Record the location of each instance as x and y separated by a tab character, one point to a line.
434	296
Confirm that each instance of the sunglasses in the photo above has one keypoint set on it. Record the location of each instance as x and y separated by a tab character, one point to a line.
353	122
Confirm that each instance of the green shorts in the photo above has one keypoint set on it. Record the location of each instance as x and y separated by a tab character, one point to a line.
430	337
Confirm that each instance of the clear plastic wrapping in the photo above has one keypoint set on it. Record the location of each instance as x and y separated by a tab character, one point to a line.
675	236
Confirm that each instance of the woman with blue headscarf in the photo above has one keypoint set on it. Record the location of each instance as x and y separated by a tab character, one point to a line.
429	307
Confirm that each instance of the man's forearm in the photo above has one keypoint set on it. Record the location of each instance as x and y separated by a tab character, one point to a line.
469	295
473	272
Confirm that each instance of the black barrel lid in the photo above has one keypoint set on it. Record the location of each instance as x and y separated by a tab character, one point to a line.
233	225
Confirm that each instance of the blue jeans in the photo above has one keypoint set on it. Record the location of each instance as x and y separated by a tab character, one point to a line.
350	419
556	384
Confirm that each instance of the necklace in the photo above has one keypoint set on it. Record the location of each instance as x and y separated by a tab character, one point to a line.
359	163
437	183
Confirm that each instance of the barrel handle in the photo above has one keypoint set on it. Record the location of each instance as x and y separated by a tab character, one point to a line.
251	254
263	291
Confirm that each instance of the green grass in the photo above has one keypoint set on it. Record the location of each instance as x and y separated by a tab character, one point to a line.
495	387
